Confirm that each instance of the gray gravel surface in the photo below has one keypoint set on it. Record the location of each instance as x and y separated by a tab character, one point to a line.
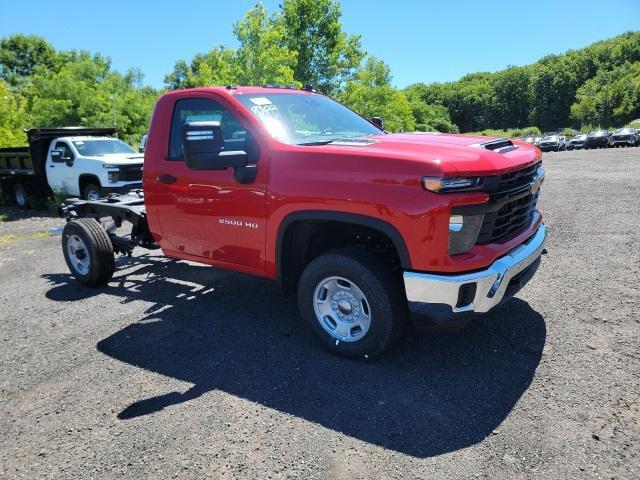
182	371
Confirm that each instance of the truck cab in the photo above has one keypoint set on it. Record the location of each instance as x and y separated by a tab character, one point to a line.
91	167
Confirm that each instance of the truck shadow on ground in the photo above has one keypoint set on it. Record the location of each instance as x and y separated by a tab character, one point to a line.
432	394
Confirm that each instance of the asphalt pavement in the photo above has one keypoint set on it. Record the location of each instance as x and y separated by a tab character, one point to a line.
176	370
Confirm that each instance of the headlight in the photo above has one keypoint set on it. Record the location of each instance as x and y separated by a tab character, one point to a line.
449	184
114	176
110	165
463	232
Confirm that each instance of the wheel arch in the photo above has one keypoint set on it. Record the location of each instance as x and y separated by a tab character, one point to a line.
86	179
286	263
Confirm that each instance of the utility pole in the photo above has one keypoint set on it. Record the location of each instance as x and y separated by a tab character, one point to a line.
113	111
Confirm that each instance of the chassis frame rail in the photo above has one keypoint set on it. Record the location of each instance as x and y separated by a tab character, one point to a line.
120	208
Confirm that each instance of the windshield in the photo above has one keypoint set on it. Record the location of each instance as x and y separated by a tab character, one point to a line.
551	137
301	119
92	148
625	130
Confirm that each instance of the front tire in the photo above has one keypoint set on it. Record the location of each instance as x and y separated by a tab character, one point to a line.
88	252
92	192
352	302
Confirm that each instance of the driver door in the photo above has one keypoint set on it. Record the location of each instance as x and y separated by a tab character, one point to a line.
60	175
207	213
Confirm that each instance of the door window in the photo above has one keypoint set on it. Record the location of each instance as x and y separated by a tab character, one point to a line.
66	151
201	110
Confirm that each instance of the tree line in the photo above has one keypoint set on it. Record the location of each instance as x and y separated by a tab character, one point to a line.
303	43
598	85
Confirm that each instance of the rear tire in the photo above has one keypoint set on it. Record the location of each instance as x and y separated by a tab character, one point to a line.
352	302
88	252
21	196
92	192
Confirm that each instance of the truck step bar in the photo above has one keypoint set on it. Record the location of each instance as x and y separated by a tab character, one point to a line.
121	208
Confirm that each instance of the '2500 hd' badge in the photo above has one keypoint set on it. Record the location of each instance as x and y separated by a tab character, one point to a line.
237	223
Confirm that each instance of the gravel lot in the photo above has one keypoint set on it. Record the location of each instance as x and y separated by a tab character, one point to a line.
183	371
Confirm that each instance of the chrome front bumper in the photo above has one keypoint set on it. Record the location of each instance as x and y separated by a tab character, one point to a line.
491	283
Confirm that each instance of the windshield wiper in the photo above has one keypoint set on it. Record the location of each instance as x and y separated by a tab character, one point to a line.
319	142
332	140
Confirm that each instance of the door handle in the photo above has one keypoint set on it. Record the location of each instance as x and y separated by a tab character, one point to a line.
166	179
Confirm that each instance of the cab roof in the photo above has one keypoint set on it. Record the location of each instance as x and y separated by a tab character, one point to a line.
265	89
88	137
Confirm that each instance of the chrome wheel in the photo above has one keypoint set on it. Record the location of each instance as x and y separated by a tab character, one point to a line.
21	196
342	309
93	195
78	254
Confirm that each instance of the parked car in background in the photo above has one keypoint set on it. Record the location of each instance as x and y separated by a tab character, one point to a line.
553	142
577	142
598	139
531	139
625	137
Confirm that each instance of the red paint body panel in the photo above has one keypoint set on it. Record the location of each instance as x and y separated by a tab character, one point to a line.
381	180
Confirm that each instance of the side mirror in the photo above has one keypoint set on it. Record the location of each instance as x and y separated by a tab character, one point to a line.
56	156
377	121
204	148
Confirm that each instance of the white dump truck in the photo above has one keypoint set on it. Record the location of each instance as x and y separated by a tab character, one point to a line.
73	161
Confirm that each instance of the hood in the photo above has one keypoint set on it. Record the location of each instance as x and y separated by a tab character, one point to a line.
119	158
446	154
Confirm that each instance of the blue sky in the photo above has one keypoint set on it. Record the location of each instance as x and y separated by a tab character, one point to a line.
421	40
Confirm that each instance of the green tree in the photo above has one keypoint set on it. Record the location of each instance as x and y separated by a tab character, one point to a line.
370	93
261	57
13	117
326	56
428	117
512	97
87	92
554	86
611	98
471	102
21	55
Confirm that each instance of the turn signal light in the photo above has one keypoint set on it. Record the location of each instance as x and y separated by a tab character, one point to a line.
449	184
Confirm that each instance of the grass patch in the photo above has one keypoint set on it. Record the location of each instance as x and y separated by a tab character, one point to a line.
7	215
54	201
12	238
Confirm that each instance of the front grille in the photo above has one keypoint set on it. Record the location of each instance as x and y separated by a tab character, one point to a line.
131	173
514	204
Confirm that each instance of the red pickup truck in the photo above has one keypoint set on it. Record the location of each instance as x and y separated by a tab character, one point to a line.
369	229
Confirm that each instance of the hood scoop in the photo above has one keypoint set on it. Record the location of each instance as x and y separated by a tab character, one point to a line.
500	145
